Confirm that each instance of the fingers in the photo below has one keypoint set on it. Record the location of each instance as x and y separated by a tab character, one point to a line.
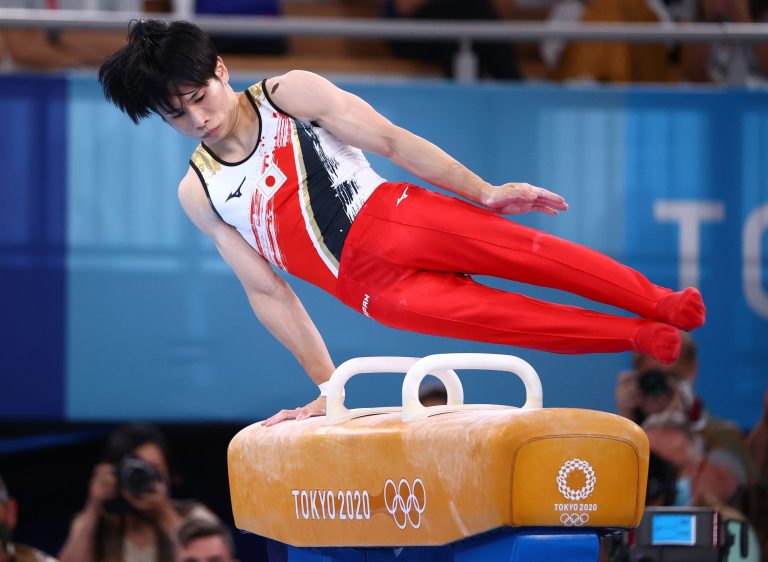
282	415
103	482
543	209
516	198
303	414
316	408
551	199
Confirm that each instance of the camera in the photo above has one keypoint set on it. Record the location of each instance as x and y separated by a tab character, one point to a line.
136	476
654	382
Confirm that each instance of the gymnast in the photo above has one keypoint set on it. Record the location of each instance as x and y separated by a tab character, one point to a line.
279	179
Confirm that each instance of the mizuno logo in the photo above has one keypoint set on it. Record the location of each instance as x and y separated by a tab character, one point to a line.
237	192
403	196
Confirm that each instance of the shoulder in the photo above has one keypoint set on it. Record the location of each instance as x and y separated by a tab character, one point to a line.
195	202
191	186
292	78
303	94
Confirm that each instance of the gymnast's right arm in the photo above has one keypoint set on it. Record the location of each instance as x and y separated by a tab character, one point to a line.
272	299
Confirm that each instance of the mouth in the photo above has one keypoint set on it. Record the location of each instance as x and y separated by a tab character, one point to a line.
211	133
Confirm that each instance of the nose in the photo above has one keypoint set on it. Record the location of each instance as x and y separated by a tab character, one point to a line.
197	117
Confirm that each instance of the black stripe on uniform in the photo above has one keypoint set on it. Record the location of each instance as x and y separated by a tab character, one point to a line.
326	205
205	187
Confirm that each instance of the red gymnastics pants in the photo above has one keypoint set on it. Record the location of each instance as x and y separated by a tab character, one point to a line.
410	252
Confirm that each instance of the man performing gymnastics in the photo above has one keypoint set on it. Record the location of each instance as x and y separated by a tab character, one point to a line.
279	178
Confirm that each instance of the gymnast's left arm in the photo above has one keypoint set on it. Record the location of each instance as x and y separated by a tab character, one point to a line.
313	98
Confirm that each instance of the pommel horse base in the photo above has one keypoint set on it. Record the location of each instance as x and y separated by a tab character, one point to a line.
460	482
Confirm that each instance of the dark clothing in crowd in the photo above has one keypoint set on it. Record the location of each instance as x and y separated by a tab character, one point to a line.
495	59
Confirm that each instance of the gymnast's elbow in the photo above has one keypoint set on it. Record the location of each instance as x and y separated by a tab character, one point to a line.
272	287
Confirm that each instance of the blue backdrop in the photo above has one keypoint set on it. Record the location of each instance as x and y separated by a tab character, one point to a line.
114	307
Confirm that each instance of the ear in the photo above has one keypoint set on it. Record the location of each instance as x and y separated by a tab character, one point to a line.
11	513
221	71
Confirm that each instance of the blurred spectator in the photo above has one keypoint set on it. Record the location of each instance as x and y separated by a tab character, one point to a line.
433	393
10	551
681	379
758	497
56	49
659	391
609	62
200	540
662	480
495	59
703	479
651	388
731	63
129	515
243	44
642	392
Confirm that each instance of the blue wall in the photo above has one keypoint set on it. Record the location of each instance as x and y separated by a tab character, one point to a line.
145	320
33	216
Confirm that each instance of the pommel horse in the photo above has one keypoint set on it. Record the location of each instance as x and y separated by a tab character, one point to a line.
464	482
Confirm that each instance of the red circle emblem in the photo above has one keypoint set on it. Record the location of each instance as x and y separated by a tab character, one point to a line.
270	181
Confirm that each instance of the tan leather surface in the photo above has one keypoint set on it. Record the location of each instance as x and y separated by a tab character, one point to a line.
458	474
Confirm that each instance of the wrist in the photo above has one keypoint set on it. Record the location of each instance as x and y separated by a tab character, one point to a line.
323	386
485	194
92	507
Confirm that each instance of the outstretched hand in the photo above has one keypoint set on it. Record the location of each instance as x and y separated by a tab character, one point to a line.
314	408
515	198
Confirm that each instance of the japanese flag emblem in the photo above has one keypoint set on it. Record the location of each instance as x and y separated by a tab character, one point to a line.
270	181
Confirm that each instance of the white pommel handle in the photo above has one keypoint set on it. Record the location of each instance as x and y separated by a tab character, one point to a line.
413	408
336	412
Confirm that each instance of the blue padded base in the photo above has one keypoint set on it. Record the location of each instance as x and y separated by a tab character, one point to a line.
507	545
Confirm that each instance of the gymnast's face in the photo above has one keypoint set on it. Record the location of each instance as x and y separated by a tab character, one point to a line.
206	113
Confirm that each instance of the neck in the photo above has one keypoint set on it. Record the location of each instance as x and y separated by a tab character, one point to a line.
240	141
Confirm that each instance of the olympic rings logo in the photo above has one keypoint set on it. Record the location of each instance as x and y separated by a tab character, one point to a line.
574	519
562	480
405	502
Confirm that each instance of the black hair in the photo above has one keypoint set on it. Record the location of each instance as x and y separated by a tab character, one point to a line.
161	60
128	438
433	392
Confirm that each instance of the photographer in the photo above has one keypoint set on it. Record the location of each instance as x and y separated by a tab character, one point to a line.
129	515
10	551
651	388
642	393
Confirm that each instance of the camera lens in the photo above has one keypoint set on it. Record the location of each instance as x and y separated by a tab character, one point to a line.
136	476
654	383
